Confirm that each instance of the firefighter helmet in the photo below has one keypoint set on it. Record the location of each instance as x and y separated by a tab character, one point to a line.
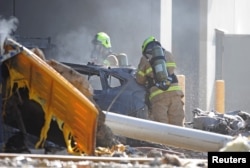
149	43
103	39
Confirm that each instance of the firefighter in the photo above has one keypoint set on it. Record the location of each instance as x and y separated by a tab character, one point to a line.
164	93
102	52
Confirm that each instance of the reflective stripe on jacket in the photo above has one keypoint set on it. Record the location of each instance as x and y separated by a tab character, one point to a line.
159	91
145	70
149	70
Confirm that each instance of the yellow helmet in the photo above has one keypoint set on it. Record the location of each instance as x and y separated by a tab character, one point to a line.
148	41
103	39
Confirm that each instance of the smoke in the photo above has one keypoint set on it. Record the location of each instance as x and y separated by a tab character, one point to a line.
7	27
74	46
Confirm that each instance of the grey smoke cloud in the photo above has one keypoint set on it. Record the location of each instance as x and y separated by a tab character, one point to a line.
73	46
7	26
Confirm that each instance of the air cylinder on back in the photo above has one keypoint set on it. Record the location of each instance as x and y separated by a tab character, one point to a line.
158	63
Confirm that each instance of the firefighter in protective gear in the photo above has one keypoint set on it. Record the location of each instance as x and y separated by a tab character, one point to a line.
165	105
102	52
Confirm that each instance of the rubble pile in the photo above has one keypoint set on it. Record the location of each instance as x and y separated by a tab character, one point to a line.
165	162
230	123
118	156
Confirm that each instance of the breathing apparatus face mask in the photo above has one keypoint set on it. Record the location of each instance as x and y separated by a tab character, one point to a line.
99	53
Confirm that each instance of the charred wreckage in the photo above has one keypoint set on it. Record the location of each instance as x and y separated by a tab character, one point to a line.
38	101
55	103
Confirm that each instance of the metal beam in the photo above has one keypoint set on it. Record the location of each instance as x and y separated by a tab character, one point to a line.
167	134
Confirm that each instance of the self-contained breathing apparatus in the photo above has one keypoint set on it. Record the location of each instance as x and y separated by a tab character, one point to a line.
158	63
157	60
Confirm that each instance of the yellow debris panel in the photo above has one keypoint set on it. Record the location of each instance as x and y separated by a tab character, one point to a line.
60	99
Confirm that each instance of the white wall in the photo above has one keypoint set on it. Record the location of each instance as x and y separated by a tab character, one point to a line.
230	16
221	15
166	24
242	15
235	71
